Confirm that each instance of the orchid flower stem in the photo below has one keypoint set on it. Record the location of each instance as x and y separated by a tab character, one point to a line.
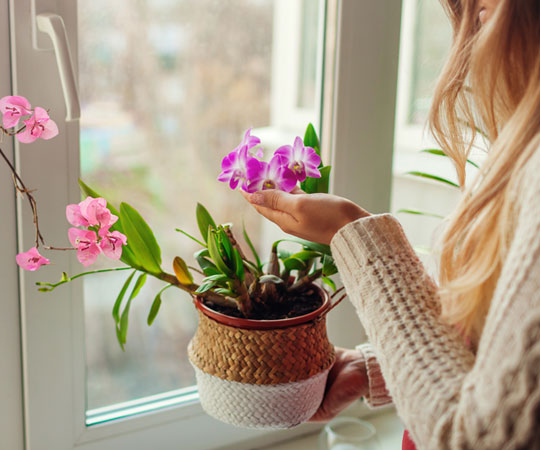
20	187
65	279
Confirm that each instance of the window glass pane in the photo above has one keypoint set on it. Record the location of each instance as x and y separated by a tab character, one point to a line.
167	89
431	44
307	77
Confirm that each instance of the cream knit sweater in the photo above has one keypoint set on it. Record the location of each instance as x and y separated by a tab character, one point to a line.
447	397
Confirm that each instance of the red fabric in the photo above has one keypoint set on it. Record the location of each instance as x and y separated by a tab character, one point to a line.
407	443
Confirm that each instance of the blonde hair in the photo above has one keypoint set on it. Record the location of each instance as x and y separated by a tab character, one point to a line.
491	82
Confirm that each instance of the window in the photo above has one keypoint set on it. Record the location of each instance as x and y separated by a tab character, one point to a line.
120	131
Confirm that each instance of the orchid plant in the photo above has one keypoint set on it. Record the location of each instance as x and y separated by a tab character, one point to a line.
246	286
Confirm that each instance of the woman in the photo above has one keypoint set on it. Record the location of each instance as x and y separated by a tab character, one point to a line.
460	360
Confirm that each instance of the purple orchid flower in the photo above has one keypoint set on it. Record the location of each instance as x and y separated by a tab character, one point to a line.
234	167
302	161
273	175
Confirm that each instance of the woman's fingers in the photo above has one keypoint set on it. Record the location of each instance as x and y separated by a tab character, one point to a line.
273	199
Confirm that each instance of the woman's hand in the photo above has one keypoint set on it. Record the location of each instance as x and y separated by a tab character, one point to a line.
347	382
314	217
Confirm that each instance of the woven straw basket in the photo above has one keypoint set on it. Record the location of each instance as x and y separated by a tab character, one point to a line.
261	373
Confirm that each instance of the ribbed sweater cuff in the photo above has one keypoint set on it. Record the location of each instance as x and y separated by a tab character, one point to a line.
377	395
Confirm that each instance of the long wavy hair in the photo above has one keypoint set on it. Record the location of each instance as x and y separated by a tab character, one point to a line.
491	82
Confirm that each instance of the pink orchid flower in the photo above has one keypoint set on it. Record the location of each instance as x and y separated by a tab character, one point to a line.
40	125
248	140
31	260
86	243
13	107
234	167
90	212
111	243
273	175
303	161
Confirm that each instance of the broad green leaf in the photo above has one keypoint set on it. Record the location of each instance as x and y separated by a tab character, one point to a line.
318	185
316	247
306	255
432	177
217	278
329	282
216	255
204	221
128	256
125	313
181	271
419	213
329	266
207	266
205	287
190	236
226	244
438	152
294	264
251	247
239	265
141	239
311	139
118	302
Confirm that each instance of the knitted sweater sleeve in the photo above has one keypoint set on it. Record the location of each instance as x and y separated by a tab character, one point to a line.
447	398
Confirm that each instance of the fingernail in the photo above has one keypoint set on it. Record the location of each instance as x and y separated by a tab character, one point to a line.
256	199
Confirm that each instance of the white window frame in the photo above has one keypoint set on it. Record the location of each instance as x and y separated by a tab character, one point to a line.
11	406
52	325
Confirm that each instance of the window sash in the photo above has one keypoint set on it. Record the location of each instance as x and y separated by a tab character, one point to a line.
53	324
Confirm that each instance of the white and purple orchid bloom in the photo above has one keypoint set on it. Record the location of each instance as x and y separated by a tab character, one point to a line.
31	260
13	107
289	165
303	161
40	125
272	175
93	213
234	167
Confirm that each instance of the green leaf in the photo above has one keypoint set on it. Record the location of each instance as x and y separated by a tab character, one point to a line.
239	265
329	266
435	151
306	255
270	279
204	221
181	271
216	255
316	247
141	239
225	243
191	237
329	282
156	304
118	302
251	247
311	139
217	278
419	213
318	185
224	291
128	256
432	177
294	264
125	314
205	287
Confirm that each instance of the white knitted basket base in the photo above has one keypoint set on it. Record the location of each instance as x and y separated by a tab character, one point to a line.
261	406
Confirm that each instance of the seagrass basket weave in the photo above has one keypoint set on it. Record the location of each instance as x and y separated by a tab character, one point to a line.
261	378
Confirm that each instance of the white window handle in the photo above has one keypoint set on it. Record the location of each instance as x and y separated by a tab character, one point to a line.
53	25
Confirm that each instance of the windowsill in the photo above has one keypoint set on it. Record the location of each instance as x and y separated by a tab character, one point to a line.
386	422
